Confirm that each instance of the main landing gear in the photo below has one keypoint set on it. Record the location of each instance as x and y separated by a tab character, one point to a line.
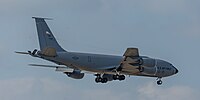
119	77
159	81
100	79
103	79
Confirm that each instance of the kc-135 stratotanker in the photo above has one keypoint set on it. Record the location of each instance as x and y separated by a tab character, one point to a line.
104	67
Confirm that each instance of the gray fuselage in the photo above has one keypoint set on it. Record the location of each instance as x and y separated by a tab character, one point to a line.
105	63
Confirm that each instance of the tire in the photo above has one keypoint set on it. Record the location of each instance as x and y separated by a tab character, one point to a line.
104	80
115	77
122	77
159	82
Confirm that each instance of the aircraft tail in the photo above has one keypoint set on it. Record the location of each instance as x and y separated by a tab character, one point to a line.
46	38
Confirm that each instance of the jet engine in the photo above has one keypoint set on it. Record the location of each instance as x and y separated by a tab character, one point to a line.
75	74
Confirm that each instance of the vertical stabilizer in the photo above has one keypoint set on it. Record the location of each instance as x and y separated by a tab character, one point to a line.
46	38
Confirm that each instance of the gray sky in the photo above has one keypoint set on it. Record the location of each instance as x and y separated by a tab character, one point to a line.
165	29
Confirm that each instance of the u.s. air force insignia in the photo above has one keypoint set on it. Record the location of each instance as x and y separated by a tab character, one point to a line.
49	35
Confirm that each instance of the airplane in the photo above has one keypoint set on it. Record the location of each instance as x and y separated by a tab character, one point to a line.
104	67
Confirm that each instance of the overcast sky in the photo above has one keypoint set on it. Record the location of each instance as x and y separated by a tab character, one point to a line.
165	29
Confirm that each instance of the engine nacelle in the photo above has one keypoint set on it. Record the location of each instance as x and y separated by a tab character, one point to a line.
75	75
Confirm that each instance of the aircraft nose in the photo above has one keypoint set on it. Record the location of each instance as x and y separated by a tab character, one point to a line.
176	70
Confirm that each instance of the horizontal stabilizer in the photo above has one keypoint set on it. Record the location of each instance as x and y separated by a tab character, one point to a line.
21	52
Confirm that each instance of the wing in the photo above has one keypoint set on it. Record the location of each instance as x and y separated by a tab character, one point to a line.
131	61
58	68
131	52
49	66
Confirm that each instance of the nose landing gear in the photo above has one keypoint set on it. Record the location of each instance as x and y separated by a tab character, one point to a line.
159	82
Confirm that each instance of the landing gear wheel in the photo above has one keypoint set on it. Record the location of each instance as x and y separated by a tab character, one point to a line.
97	80
159	82
104	80
121	77
115	77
